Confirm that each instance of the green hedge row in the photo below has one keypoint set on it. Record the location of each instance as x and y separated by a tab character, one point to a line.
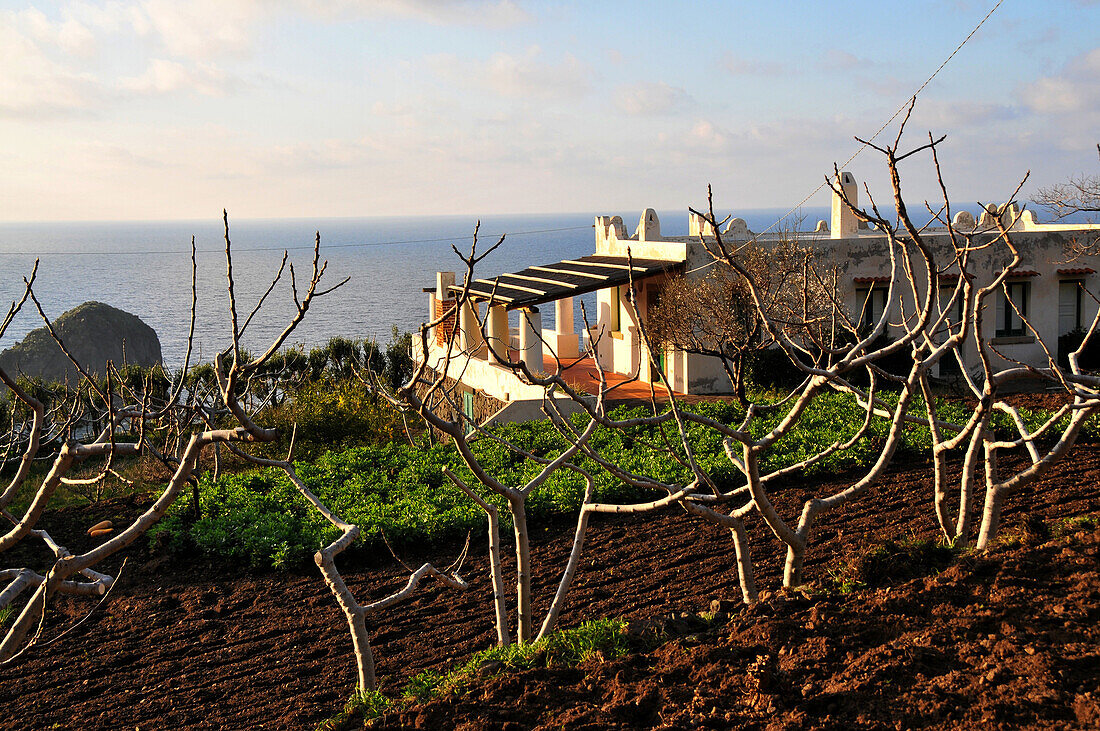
258	517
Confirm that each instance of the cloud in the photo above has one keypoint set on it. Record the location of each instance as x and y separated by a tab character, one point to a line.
1073	91
69	35
705	134
652	98
164	77
396	109
34	83
200	29
782	138
491	13
50	67
951	115
741	66
836	60
894	89
522	76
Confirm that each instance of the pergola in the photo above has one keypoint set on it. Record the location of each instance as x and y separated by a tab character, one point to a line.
559	283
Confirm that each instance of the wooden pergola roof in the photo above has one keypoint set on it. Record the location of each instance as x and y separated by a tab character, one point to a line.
539	284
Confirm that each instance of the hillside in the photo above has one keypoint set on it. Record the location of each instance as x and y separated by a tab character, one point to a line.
94	333
1006	638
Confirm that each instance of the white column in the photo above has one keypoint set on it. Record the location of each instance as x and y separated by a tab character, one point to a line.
530	346
498	334
443	282
563	312
844	222
472	341
564	341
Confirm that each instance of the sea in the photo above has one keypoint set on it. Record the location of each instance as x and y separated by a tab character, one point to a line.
144	267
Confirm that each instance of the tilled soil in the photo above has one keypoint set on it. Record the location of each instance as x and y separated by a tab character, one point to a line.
1010	638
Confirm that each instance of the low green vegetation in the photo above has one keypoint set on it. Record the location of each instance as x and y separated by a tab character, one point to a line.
601	639
1076	524
395	487
892	563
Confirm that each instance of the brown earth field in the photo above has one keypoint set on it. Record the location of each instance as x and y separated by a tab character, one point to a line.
1008	638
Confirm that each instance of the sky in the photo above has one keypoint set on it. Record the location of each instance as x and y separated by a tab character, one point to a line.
168	109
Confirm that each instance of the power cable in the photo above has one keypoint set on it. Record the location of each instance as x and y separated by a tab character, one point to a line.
879	131
324	247
536	231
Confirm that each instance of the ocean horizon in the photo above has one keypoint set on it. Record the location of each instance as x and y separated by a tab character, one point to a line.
144	267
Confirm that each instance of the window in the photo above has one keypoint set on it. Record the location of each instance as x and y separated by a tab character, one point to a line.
1069	306
468	410
1009	322
955	313
949	364
872	302
613	315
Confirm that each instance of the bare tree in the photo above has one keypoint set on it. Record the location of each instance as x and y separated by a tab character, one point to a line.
1079	194
922	331
231	370
715	316
836	350
430	388
214	406
356	613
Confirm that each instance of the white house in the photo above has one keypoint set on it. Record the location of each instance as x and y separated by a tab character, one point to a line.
1046	287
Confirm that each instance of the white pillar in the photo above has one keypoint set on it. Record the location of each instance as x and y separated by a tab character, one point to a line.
563	312
845	223
530	345
443	282
564	341
472	341
499	336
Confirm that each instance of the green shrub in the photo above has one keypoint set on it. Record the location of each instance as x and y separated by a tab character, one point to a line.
392	487
331	416
603	639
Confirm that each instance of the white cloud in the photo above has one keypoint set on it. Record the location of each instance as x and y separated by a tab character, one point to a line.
396	109
526	75
789	136
652	98
68	35
707	135
741	66
1073	91
33	83
49	65
164	76
951	115
836	60
511	75
493	13
200	29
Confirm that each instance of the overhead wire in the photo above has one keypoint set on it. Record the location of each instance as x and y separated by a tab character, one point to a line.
365	244
324	247
866	143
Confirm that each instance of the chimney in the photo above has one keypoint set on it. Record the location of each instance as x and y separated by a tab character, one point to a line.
844	222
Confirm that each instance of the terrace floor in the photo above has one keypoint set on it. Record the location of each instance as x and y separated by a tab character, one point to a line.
583	374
